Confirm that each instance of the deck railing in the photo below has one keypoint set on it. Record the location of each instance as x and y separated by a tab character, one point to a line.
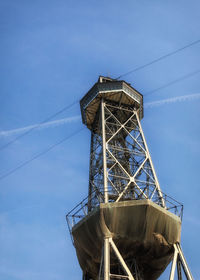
93	201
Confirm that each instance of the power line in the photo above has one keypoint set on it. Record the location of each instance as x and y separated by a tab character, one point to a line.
37	126
38	155
69	106
66	138
173	82
158	59
132	71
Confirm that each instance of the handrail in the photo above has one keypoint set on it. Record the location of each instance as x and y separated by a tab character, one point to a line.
93	201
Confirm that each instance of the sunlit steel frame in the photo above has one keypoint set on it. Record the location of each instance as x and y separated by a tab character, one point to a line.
125	170
104	272
179	261
119	159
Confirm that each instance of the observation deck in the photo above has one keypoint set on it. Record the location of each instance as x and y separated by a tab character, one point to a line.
113	90
142	229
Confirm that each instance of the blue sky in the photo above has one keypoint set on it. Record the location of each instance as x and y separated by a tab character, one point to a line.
51	54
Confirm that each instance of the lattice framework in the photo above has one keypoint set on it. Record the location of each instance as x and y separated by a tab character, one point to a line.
124	156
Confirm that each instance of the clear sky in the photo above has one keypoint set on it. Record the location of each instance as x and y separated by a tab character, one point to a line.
51	53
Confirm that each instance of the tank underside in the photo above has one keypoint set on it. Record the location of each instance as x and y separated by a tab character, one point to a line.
142	231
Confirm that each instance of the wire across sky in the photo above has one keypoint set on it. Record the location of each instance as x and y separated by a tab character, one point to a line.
158	59
65	108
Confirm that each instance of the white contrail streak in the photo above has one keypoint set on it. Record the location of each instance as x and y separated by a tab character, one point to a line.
172	100
45	125
12	132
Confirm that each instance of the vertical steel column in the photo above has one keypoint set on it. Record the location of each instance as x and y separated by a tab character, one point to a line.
106	239
104	151
106	258
90	172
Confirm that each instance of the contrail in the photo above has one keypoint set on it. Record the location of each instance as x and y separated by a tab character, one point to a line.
7	133
45	125
172	100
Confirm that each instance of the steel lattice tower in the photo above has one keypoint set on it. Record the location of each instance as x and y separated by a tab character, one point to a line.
126	228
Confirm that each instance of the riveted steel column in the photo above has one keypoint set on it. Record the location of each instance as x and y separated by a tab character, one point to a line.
104	151
106	259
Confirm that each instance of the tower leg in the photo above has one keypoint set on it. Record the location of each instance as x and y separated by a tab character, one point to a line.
179	270
180	261
173	267
106	259
108	244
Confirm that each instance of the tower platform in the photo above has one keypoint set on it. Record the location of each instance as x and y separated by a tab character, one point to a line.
141	230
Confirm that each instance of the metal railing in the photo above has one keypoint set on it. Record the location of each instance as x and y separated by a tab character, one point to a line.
92	202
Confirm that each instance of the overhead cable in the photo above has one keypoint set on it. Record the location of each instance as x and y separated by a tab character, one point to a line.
127	73
39	155
66	138
173	82
37	126
158	59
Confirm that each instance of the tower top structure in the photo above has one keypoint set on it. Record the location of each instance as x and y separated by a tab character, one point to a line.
116	91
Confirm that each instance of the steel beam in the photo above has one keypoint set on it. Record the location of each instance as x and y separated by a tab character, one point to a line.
178	261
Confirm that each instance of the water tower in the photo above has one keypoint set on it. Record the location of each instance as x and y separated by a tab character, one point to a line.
126	228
